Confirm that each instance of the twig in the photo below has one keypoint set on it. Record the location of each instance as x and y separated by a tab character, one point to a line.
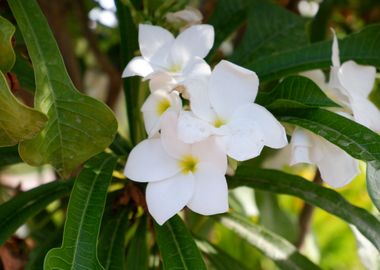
305	216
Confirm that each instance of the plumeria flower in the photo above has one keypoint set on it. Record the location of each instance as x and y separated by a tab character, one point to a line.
180	57
161	99
186	17
224	108
179	174
349	86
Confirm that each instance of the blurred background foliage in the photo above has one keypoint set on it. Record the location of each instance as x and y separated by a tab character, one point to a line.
87	32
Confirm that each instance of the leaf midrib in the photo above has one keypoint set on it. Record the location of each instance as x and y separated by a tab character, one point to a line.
177	246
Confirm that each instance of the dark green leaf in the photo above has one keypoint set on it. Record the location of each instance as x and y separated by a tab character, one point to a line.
112	238
373	182
357	140
271	29
298	89
361	47
327	199
75	121
137	257
7	54
16	211
9	156
25	75
85	210
226	18
283	253
17	121
177	247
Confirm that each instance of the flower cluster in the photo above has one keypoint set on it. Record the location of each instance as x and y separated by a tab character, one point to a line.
194	118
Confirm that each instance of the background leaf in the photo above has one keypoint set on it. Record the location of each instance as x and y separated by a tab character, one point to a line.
324	198
7	54
17	121
75	121
85	210
177	247
278	249
17	210
137	256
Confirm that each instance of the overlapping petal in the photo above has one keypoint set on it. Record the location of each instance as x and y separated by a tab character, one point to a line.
137	66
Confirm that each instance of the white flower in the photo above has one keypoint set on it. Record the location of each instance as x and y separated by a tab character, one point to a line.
180	57
224	107
161	99
188	17
179	174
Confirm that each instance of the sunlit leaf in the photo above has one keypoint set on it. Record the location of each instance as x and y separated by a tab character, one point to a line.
17	121
319	196
177	247
7	55
76	121
282	252
373	182
84	214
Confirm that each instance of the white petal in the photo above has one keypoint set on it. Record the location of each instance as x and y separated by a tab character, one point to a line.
358	80
210	194
161	81
337	167
196	68
231	86
155	43
195	41
366	113
317	76
169	137
192	129
210	155
301	144
148	161
137	66
274	133
335	51
167	197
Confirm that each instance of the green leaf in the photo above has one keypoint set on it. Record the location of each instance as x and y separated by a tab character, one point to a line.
17	210
177	247
17	121
9	156
76	122
137	257
7	54
361	47
85	210
373	182
283	253
299	90
111	246
319	196
227	16
270	29
357	140
219	259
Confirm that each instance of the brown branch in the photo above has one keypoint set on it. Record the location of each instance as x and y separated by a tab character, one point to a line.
115	81
306	214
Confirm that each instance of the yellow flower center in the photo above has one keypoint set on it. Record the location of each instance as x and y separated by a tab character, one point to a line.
162	106
188	164
218	122
175	68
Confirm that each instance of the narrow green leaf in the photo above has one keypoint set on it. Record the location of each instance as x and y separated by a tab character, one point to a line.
282	252
17	121
373	182
227	16
361	47
298	89
137	257
9	156
177	247
324	198
270	29
85	210
17	210
111	246
7	54
219	259
75	121
357	140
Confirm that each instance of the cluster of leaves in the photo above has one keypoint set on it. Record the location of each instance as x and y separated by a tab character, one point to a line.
107	225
